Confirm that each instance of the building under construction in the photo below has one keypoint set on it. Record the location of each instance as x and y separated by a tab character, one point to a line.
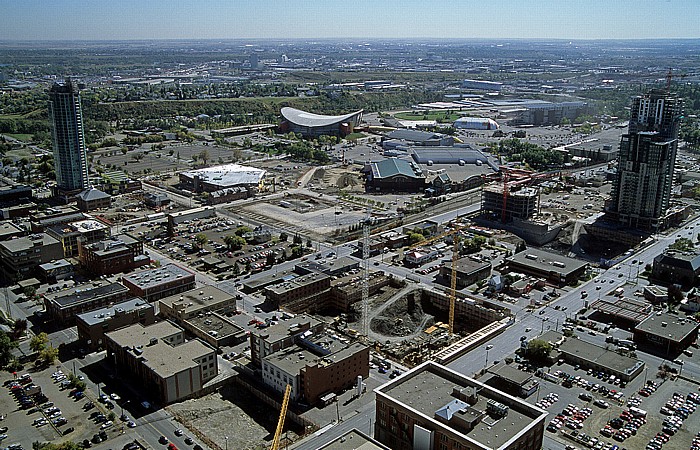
519	202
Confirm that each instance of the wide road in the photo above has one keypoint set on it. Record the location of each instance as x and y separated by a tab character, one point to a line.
508	341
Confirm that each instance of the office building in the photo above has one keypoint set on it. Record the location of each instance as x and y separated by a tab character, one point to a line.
673	266
667	334
160	359
118	254
266	341
69	150
62	307
642	187
433	407
155	284
93	325
20	257
83	232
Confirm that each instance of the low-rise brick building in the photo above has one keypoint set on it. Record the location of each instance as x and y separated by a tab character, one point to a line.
93	325
154	284
118	254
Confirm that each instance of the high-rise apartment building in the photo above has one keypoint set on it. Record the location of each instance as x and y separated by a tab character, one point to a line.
642	189
69	151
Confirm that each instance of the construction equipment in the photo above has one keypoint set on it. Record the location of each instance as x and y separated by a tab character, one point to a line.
454	232
280	423
512	177
366	231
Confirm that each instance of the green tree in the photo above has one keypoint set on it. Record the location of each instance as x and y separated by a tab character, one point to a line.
6	347
204	156
675	294
240	231
234	242
38	342
48	355
283	237
271	259
29	291
538	350
297	251
682	244
309	244
200	239
297	240
68	445
414	238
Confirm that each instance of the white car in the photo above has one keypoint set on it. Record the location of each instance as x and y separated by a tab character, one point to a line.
107	424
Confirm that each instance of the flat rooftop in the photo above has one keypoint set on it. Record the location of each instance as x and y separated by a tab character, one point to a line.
27	242
510	373
547	262
197	299
227	175
215	325
668	326
599	355
297	282
9	229
163	359
429	388
296	357
624	308
283	328
100	315
154	277
86	293
354	440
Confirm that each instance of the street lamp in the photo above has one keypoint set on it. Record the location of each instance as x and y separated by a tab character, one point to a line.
122	407
226	441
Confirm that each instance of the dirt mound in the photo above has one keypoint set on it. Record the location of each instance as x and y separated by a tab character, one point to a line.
402	318
347	180
319	174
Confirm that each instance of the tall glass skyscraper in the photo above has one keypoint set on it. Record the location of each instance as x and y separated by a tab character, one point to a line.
69	151
642	189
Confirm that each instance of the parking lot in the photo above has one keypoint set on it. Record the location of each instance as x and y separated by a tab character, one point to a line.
597	412
40	406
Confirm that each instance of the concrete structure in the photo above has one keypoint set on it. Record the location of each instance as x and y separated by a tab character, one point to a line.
482	85
68	137
41	220
666	333
316	365
642	188
154	284
93	325
158	357
676	267
546	113
433	407
521	202
20	257
56	270
120	253
395	175
9	230
64	306
460	155
216	178
556	269
266	341
415	137
184	306
512	380
297	288
623	310
590	356
354	440
91	199
314	125
468	271
85	232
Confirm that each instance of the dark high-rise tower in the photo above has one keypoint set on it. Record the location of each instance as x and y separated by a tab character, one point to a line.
642	189
69	152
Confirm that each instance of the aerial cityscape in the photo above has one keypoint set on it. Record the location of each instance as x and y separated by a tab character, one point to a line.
333	229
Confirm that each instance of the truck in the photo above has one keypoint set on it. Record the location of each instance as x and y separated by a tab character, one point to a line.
626	343
637	412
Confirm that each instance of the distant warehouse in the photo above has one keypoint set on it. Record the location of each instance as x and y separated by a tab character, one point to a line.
211	179
476	123
313	125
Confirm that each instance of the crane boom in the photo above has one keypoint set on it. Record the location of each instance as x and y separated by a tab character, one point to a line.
280	423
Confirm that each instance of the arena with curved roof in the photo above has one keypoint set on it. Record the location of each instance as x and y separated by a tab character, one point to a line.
312	125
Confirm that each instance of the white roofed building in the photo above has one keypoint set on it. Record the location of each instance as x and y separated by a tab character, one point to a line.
211	179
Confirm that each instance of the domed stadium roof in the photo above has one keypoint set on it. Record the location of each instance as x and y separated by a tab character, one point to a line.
307	119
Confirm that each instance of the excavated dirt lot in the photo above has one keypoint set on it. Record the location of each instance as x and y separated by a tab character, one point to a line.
248	423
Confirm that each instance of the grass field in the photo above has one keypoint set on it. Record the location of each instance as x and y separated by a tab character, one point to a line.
21	137
439	116
354	136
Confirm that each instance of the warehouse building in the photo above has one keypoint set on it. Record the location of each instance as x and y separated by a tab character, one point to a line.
432	406
668	334
395	175
556	269
591	356
212	179
403	137
314	125
460	155
476	123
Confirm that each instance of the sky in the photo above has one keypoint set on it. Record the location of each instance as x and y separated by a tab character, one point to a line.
279	19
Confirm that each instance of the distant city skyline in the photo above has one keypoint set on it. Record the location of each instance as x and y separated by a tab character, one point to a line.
370	19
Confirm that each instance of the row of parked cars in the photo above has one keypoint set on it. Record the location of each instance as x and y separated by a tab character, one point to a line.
626	425
572	417
548	400
678	409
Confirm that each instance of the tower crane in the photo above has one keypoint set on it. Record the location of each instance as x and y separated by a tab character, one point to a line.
454	232
365	275
280	422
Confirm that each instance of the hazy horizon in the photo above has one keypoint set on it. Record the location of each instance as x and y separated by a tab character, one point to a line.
133	20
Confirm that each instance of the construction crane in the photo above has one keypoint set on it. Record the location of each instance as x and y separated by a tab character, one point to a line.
364	331
512	177
454	232
280	423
